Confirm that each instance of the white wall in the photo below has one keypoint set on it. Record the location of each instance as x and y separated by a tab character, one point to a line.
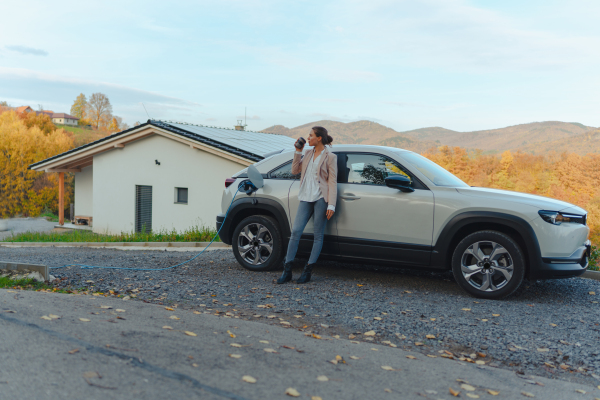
84	186
117	172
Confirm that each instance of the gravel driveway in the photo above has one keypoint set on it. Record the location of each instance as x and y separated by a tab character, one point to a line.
549	328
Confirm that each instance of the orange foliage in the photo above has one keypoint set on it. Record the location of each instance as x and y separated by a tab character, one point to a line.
567	176
24	142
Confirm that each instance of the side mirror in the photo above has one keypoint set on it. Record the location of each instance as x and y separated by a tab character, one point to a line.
399	182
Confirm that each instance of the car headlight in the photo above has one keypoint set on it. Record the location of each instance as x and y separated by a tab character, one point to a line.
556	218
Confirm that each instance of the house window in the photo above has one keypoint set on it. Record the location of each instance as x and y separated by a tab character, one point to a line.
181	195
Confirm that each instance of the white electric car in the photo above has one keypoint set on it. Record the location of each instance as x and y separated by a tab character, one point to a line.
397	208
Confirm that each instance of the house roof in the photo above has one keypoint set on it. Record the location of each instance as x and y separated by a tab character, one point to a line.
63	115
22	109
249	145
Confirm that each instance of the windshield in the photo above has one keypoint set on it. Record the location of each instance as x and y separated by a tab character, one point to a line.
436	174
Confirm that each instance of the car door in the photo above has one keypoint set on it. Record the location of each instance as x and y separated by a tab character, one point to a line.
381	223
330	245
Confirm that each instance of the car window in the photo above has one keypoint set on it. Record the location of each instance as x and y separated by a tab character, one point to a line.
283	172
372	169
436	174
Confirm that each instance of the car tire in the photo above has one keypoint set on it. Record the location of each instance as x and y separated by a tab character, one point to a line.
488	265
258	243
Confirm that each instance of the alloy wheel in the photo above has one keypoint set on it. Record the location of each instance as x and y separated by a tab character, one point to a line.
487	266
255	244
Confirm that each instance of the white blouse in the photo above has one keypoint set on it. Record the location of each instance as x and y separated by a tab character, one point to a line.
309	189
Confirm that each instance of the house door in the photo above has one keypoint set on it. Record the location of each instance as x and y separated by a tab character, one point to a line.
143	208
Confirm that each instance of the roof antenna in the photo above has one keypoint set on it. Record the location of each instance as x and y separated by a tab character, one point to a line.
146	111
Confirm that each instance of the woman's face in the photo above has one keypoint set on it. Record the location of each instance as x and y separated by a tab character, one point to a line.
313	139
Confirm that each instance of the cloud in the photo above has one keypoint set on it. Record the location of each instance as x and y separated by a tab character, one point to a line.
251	118
27	50
34	87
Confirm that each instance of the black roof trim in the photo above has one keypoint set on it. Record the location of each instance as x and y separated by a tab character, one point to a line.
160	124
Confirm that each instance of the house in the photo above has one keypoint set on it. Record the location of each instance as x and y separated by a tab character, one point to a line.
64	119
158	175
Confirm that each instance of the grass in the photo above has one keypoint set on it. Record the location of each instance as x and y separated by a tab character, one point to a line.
82	135
49	216
194	234
594	258
6	283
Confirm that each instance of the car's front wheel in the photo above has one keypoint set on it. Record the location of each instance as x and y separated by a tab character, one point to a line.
488	264
257	243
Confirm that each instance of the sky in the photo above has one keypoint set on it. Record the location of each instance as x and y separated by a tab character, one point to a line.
459	64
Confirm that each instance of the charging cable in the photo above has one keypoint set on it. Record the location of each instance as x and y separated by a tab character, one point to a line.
246	186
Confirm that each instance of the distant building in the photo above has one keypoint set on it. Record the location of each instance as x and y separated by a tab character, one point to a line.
64	119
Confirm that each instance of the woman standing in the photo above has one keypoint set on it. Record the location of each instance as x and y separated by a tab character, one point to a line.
318	193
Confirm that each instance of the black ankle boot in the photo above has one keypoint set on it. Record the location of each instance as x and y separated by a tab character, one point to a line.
306	273
287	273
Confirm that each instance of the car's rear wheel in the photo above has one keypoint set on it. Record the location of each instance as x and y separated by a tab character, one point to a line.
257	243
488	264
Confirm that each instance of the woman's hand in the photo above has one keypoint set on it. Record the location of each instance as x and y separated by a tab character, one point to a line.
329	214
301	148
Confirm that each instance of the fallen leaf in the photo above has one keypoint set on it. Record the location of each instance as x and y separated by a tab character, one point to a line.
527	394
377	318
284	323
467	387
453	392
553	325
197	312
387	368
480	362
47	318
334	362
493	392
355	358
374	349
430	336
190	333
430	392
90	374
288	347
53	316
369	333
174	317
292	392
316	398
106	307
473	395
235	345
592	293
411	357
119	310
387	390
315	336
339	358
418	344
495	315
431	355
73	351
268	350
169	309
543	350
264	341
322	378
465	309
195	365
358	318
249	379
580	391
167	327
84	320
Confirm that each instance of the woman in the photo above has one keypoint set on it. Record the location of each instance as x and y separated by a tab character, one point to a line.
318	193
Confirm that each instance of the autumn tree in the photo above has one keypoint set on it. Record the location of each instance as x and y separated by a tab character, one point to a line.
79	109
21	146
99	111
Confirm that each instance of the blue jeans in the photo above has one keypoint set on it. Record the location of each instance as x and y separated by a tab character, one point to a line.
317	210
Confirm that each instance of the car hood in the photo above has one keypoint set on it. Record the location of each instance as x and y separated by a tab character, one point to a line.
543	203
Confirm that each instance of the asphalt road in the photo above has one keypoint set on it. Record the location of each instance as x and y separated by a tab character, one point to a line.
548	328
126	352
11	226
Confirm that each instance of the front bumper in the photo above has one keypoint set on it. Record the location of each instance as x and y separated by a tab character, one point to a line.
563	267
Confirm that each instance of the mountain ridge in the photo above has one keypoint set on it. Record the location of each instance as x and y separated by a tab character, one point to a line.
534	137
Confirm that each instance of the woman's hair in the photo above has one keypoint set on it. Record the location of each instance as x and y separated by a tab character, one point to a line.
322	133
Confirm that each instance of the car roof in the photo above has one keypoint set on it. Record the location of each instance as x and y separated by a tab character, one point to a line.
276	160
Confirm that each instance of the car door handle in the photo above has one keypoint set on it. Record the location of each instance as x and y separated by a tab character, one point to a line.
349	197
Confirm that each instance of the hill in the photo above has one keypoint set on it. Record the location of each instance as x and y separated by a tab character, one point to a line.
517	137
359	132
535	137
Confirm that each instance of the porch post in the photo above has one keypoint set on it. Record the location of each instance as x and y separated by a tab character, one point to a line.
61	198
